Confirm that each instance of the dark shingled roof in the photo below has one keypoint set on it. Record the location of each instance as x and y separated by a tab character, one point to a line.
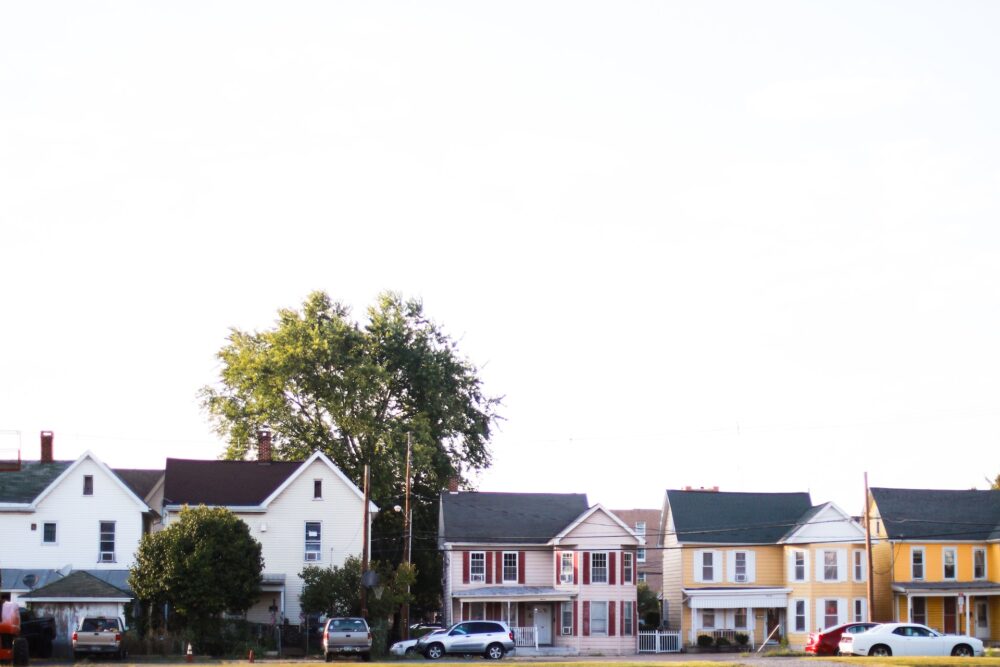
24	485
736	518
496	518
140	481
78	584
244	483
935	514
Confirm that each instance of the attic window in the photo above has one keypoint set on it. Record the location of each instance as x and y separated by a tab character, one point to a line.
88	485
317	489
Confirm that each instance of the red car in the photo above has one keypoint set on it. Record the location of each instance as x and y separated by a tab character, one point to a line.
825	641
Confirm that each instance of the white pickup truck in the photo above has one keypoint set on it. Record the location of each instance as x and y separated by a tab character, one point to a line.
347	636
99	636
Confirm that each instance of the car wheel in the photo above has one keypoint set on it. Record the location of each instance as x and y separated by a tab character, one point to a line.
494	652
880	651
962	651
434	652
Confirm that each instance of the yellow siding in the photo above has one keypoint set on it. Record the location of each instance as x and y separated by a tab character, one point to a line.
770	566
934	561
882	576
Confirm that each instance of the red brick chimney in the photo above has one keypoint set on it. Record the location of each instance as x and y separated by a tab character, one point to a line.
264	445
453	484
47	454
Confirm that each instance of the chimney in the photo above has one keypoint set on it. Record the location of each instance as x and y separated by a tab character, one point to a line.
453	484
264	445
47	455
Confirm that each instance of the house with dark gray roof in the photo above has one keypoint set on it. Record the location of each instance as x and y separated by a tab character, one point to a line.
558	570
764	566
937	559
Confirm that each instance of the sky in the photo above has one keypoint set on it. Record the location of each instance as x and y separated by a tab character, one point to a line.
707	243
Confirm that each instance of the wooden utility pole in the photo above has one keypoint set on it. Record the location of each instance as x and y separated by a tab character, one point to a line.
364	551
868	549
407	536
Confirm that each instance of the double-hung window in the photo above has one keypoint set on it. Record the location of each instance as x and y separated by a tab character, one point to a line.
800	616
49	533
979	563
599	567
314	541
830	567
859	565
88	485
107	542
317	489
708	619
640	531
566	567
627	615
566	616
831	613
627	567
799	565
949	557
740	566
510	566
598	618
917	562
740	618
918	612
707	566
859	610
477	566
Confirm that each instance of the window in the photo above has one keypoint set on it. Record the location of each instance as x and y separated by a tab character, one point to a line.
949	555
49	533
917	562
627	567
740	567
598	618
708	619
510	566
566	614
800	616
598	567
831	615
642	577
627	614
107	542
799	565
477	566
707	566
88	485
640	530
314	540
830	567
740	619
918	612
566	567
859	610
979	563
317	489
859	565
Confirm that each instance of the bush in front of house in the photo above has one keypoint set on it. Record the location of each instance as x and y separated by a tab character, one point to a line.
721	643
742	638
705	641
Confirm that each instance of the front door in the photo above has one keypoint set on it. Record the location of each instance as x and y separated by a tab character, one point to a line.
982	619
950	616
543	621
773	622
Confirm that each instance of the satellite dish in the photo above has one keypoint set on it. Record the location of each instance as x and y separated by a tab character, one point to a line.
29	580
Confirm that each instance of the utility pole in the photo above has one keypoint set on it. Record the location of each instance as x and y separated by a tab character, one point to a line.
407	536
364	551
868	549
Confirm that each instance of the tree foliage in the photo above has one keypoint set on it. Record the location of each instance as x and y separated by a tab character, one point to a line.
994	483
322	381
649	605
204	564
336	591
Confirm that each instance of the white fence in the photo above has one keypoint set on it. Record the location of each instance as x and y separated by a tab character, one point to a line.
526	637
659	642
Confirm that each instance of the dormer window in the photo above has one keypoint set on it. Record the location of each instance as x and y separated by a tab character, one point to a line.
88	485
317	489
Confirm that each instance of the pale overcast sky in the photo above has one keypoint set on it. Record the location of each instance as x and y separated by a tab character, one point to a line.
746	244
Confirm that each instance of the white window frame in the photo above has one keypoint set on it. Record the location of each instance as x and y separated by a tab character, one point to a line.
708	614
746	567
737	613
945	551
594	568
312	548
828	620
859	611
103	555
55	533
88	485
859	567
640	531
923	615
628	612
923	563
976	551
715	566
594	606
475	578
628	568
317	489
800	615
565	618
826	565
794	566
566	567
642	578
516	567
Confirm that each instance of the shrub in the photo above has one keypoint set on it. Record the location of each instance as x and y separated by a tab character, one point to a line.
705	641
721	642
742	638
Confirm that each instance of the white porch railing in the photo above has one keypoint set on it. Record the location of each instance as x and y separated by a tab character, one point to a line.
659	642
526	637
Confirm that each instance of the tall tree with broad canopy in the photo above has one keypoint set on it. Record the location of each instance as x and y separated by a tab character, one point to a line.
323	381
203	564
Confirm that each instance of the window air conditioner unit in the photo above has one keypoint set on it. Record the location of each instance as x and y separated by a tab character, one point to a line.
565	578
107	557
312	555
741	578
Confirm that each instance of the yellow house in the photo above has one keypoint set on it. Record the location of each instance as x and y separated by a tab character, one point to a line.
937	561
771	566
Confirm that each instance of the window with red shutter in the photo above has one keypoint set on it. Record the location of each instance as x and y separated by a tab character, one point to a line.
465	567
586	616
520	567
576	568
611	568
611	618
586	568
489	567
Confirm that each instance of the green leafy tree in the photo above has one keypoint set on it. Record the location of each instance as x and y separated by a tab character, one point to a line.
649	606
336	591
204	564
322	381
995	484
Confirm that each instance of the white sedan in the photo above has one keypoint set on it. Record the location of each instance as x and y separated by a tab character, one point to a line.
408	647
908	639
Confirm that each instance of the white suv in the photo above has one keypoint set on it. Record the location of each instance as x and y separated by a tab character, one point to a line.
491	639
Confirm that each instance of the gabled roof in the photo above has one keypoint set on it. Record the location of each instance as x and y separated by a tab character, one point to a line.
21	487
513	518
936	514
615	521
78	585
813	526
141	482
713	517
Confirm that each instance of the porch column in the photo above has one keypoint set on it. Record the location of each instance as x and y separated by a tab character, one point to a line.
967	602
909	608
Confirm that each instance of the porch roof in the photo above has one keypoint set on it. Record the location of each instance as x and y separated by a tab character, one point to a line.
499	593
948	588
736	598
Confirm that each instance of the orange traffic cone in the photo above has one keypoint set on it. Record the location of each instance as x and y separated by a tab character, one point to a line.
190	654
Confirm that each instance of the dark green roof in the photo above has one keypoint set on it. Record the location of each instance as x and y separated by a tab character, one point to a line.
496	518
24	485
714	517
78	584
936	514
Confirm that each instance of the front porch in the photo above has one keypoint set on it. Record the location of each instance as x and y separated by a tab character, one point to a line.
963	608
532	612
724	613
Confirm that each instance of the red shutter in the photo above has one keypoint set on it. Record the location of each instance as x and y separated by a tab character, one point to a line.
611	568
623	568
576	561
635	617
489	567
586	618
611	618
520	567
465	567
498	557
575	626
586	568
622	603
558	561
